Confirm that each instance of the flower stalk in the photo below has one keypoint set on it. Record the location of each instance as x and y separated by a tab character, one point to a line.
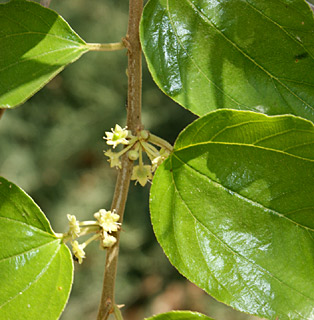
138	144
106	223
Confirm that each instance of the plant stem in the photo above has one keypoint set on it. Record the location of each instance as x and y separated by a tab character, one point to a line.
1	112
124	175
106	46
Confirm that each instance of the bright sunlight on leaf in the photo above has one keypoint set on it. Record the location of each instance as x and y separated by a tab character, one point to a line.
233	209
35	266
35	45
250	55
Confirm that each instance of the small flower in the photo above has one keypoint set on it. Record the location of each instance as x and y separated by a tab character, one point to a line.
108	220
142	174
74	228
144	134
78	251
108	240
113	159
117	136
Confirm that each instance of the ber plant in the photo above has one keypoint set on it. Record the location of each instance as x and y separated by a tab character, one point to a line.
232	202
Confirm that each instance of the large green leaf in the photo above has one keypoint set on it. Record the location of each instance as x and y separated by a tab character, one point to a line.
242	54
180	315
35	266
233	209
35	44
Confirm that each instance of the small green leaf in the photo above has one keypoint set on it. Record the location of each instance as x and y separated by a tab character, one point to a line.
35	45
179	315
250	55
233	209
35	266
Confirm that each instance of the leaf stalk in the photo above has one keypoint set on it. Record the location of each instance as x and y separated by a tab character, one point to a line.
115	46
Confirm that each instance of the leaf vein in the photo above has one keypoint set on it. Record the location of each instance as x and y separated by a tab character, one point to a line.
279	26
39	55
245	199
28	251
270	75
196	65
34	281
227	246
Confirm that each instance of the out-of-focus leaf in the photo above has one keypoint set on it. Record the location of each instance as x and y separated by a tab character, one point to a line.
179	315
35	44
35	266
252	54
233	209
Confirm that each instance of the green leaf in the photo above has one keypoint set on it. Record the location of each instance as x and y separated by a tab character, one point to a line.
35	45
179	315
35	265
241	54
233	209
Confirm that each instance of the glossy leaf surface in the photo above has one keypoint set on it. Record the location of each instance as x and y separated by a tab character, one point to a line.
241	54
35	45
180	315
233	209
36	267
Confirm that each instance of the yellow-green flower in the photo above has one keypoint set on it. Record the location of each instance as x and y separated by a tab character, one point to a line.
108	240
117	136
113	159
142	174
108	220
74	228
78	251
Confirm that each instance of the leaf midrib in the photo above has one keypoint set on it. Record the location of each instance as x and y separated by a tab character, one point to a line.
37	278
242	145
280	27
82	43
45	53
246	199
196	65
30	250
223	243
36	229
270	75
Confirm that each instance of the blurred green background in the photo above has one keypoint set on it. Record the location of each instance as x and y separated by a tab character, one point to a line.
52	147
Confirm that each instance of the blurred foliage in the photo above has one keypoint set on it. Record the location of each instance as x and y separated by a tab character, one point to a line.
52	147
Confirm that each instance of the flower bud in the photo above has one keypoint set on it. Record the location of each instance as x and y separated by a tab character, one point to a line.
144	134
133	155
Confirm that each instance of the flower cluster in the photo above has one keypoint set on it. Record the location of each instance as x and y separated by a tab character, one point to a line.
136	145
106	223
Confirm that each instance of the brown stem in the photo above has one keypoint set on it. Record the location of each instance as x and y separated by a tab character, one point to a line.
134	124
1	112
